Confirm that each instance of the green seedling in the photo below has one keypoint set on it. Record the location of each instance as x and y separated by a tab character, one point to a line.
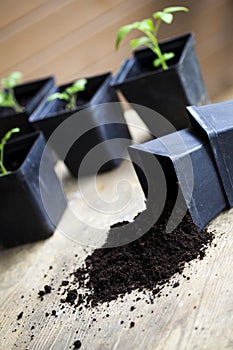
6	137
7	95
70	94
150	30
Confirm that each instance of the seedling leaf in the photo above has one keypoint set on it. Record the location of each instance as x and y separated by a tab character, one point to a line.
7	98
135	43
58	95
70	93
150	30
175	9
163	16
166	56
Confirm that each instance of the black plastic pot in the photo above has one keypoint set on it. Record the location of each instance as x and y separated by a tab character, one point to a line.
29	95
22	214
104	125
216	121
189	168
166	91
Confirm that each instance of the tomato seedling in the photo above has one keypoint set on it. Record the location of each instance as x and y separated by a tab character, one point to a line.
7	94
70	94
150	30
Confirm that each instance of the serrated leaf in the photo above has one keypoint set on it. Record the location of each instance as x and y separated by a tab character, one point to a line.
175	9
135	43
163	16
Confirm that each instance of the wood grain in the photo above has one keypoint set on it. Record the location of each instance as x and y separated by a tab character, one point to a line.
70	38
196	315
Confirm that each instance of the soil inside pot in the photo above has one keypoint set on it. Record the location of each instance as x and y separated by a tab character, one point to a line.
60	105
144	60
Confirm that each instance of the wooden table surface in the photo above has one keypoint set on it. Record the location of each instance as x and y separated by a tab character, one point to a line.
198	314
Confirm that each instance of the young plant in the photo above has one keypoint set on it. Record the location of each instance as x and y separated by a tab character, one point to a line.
6	137
150	30
70	94
7	95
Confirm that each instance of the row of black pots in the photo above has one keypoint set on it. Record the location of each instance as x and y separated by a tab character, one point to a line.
23	216
168	92
197	163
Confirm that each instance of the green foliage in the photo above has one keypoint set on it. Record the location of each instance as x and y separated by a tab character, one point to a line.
150	31
7	95
6	137
70	93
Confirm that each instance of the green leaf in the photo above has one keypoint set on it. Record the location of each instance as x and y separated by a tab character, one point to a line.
166	56
123	31
5	99
143	26
134	43
16	76
175	9
12	80
79	85
58	95
163	16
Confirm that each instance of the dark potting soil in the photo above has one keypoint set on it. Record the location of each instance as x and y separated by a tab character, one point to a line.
144	266
60	105
147	263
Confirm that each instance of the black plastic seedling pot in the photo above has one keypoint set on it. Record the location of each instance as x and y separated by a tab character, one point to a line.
28	95
190	172
22	214
169	91
216	121
107	125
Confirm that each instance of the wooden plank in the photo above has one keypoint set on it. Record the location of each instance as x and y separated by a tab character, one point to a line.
12	10
40	40
28	19
79	52
49	28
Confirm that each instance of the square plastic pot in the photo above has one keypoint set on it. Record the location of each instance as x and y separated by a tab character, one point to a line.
98	125
189	169
166	91
22	214
29	95
216	122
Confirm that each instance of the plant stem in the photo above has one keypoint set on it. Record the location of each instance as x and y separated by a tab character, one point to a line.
15	104
159	21
157	51
3	170
72	103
